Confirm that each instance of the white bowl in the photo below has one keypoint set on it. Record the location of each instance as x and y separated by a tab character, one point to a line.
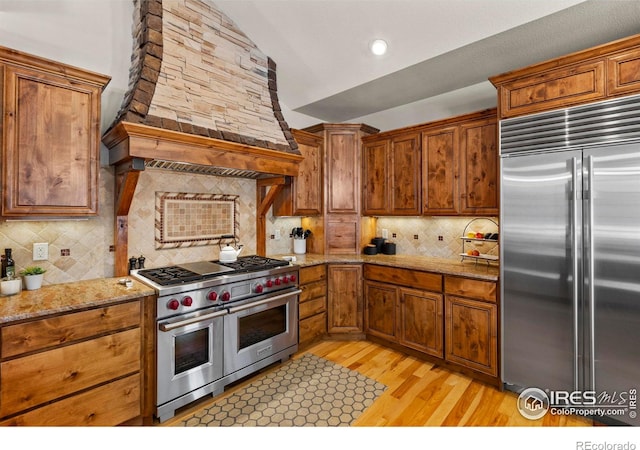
10	287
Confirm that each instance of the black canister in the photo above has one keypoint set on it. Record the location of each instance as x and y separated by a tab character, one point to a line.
389	248
370	249
378	242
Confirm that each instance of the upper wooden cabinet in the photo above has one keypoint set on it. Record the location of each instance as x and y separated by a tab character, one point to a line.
304	196
460	166
597	73
391	175
50	137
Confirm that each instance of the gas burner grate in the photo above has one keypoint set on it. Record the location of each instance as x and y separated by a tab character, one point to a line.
167	276
254	263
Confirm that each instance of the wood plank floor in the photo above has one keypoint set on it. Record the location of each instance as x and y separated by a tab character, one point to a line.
418	392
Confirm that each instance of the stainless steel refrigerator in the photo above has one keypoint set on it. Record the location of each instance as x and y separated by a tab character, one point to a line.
570	252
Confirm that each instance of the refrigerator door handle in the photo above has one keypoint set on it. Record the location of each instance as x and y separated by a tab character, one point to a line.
575	221
592	290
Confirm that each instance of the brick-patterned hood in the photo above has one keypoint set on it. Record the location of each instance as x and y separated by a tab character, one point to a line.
202	97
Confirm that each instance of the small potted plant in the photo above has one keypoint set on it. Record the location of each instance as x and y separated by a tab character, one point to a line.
33	277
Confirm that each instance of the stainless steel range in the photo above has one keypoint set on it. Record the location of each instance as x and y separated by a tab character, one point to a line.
218	322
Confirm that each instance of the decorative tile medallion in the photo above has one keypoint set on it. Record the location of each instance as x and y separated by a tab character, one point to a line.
187	219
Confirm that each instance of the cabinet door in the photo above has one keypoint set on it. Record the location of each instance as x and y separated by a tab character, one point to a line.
380	309
479	168
51	145
421	321
345	309
440	171
304	197
375	178
623	73
343	172
405	175
471	328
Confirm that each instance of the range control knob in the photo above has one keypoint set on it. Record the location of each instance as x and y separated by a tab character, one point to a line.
259	288
285	279
187	301
213	296
277	281
173	304
226	296
269	283
292	278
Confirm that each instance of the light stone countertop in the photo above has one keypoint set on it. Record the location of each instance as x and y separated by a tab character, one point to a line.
65	297
443	266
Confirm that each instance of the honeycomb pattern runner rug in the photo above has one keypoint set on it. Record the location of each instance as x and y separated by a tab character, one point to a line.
308	391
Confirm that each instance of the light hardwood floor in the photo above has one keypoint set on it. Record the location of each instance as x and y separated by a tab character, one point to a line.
418	392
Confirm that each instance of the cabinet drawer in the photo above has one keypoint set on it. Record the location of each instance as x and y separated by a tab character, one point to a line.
49	332
555	89
313	273
404	277
45	376
107	405
312	307
483	290
313	327
313	290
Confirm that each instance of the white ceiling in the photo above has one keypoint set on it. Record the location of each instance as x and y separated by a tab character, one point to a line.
440	51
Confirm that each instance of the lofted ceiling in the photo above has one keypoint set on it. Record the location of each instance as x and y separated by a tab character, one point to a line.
440	51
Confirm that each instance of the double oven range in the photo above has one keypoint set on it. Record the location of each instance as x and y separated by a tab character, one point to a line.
218	322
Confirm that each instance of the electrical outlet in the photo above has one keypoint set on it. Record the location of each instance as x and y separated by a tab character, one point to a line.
385	233
40	251
277	235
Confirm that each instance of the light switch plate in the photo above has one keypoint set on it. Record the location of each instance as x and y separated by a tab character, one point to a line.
40	251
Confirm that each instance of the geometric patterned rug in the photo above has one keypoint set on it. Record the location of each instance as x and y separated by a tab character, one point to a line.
308	391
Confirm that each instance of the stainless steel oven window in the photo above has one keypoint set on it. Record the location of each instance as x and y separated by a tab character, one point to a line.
191	350
261	326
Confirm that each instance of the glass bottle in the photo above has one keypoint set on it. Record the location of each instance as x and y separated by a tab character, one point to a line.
10	264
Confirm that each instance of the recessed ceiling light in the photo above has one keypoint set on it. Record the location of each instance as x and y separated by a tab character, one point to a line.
379	47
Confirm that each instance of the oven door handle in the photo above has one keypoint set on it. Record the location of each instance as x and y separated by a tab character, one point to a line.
263	302
168	326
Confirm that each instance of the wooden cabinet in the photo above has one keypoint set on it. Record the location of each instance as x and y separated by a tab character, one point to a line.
305	195
313	303
479	172
50	137
440	159
399	312
421	321
391	175
380	309
594	74
76	369
460	166
345	302
338	230
471	324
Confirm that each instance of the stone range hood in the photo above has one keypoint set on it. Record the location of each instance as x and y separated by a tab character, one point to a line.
202	98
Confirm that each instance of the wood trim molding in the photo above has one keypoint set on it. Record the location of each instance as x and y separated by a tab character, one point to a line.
267	189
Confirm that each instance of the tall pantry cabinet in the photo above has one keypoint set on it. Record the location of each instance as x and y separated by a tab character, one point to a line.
340	229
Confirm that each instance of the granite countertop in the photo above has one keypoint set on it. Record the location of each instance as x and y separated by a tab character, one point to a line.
437	265
57	298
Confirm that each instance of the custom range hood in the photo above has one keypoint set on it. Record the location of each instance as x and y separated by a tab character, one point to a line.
202	98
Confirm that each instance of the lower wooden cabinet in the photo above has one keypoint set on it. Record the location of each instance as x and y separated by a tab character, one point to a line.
471	324
80	368
380	309
420	321
313	303
345	303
